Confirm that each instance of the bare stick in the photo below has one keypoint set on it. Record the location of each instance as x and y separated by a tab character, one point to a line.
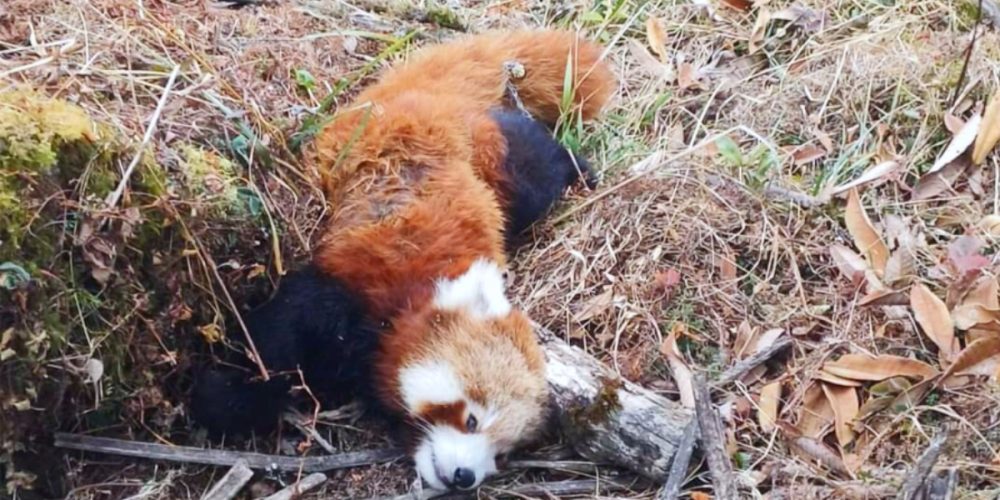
230	484
941	486
741	368
713	442
551	489
679	467
294	490
915	479
606	418
189	454
116	195
560	465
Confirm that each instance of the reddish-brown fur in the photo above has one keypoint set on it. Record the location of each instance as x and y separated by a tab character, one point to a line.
412	171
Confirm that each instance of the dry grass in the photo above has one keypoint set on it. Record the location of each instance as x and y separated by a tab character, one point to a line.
230	203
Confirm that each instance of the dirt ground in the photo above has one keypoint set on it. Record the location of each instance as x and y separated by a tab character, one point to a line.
725	218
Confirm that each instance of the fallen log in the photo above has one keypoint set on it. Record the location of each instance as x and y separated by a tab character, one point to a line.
608	419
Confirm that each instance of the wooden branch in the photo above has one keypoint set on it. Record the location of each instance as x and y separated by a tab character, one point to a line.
295	490
941	486
713	442
608	419
551	489
230	484
189	454
915	479
679	467
743	367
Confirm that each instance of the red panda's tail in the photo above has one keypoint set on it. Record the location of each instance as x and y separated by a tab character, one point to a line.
474	68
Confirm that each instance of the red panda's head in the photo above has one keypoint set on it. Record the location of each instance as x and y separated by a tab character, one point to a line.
468	373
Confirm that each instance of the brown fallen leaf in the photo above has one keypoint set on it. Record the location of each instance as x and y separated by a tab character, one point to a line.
989	131
596	305
968	316
984	292
678	368
807	154
759	30
767	415
687	76
981	357
884	297
901	267
959	144
844	401
850	264
648	62
875	368
964	255
933	184
837	379
815	413
741	5
934	319
990	224
866	238
656	36
814	449
953	123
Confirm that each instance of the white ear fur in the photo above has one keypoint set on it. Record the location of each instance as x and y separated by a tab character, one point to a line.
431	382
480	291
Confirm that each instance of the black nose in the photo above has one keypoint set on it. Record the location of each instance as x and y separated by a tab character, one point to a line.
464	478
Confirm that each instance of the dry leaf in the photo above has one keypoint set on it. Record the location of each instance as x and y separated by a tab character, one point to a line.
700	495
953	123
814	449
809	20
850	264
807	154
678	368
932	315
991	225
844	401
981	357
759	30
815	414
94	369
901	266
931	185
836	379
875	368
664	71
687	76
874	173
742	5
866	238
984	292
989	131
968	316
959	144
964	256
767	415
657	38
596	305
884	297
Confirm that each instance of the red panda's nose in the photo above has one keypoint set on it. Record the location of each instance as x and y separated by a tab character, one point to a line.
464	478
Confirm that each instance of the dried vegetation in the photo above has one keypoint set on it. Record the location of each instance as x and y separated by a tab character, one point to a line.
823	170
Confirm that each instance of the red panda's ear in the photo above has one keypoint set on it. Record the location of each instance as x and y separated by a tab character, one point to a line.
479	292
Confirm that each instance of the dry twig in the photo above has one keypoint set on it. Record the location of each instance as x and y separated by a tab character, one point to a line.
713	442
294	490
189	454
230	484
918	475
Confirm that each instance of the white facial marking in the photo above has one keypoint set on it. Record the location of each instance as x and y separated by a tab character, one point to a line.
444	450
479	291
430	382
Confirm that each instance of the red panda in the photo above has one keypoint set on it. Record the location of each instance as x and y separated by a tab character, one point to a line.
429	175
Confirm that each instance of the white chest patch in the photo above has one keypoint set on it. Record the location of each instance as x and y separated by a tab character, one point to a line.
480	291
430	382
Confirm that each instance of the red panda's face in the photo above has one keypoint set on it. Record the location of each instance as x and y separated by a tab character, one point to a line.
474	385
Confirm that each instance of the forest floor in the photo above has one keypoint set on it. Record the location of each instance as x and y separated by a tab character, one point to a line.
822	170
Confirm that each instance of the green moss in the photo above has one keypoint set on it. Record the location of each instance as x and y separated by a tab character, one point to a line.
445	18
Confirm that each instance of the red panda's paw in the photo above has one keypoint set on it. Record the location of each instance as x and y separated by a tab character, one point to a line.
472	380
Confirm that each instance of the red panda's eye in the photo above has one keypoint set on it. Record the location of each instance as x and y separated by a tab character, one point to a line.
471	423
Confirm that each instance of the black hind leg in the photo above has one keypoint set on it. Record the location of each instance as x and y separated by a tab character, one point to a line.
536	171
312	325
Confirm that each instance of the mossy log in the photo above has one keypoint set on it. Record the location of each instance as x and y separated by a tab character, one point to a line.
608	419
